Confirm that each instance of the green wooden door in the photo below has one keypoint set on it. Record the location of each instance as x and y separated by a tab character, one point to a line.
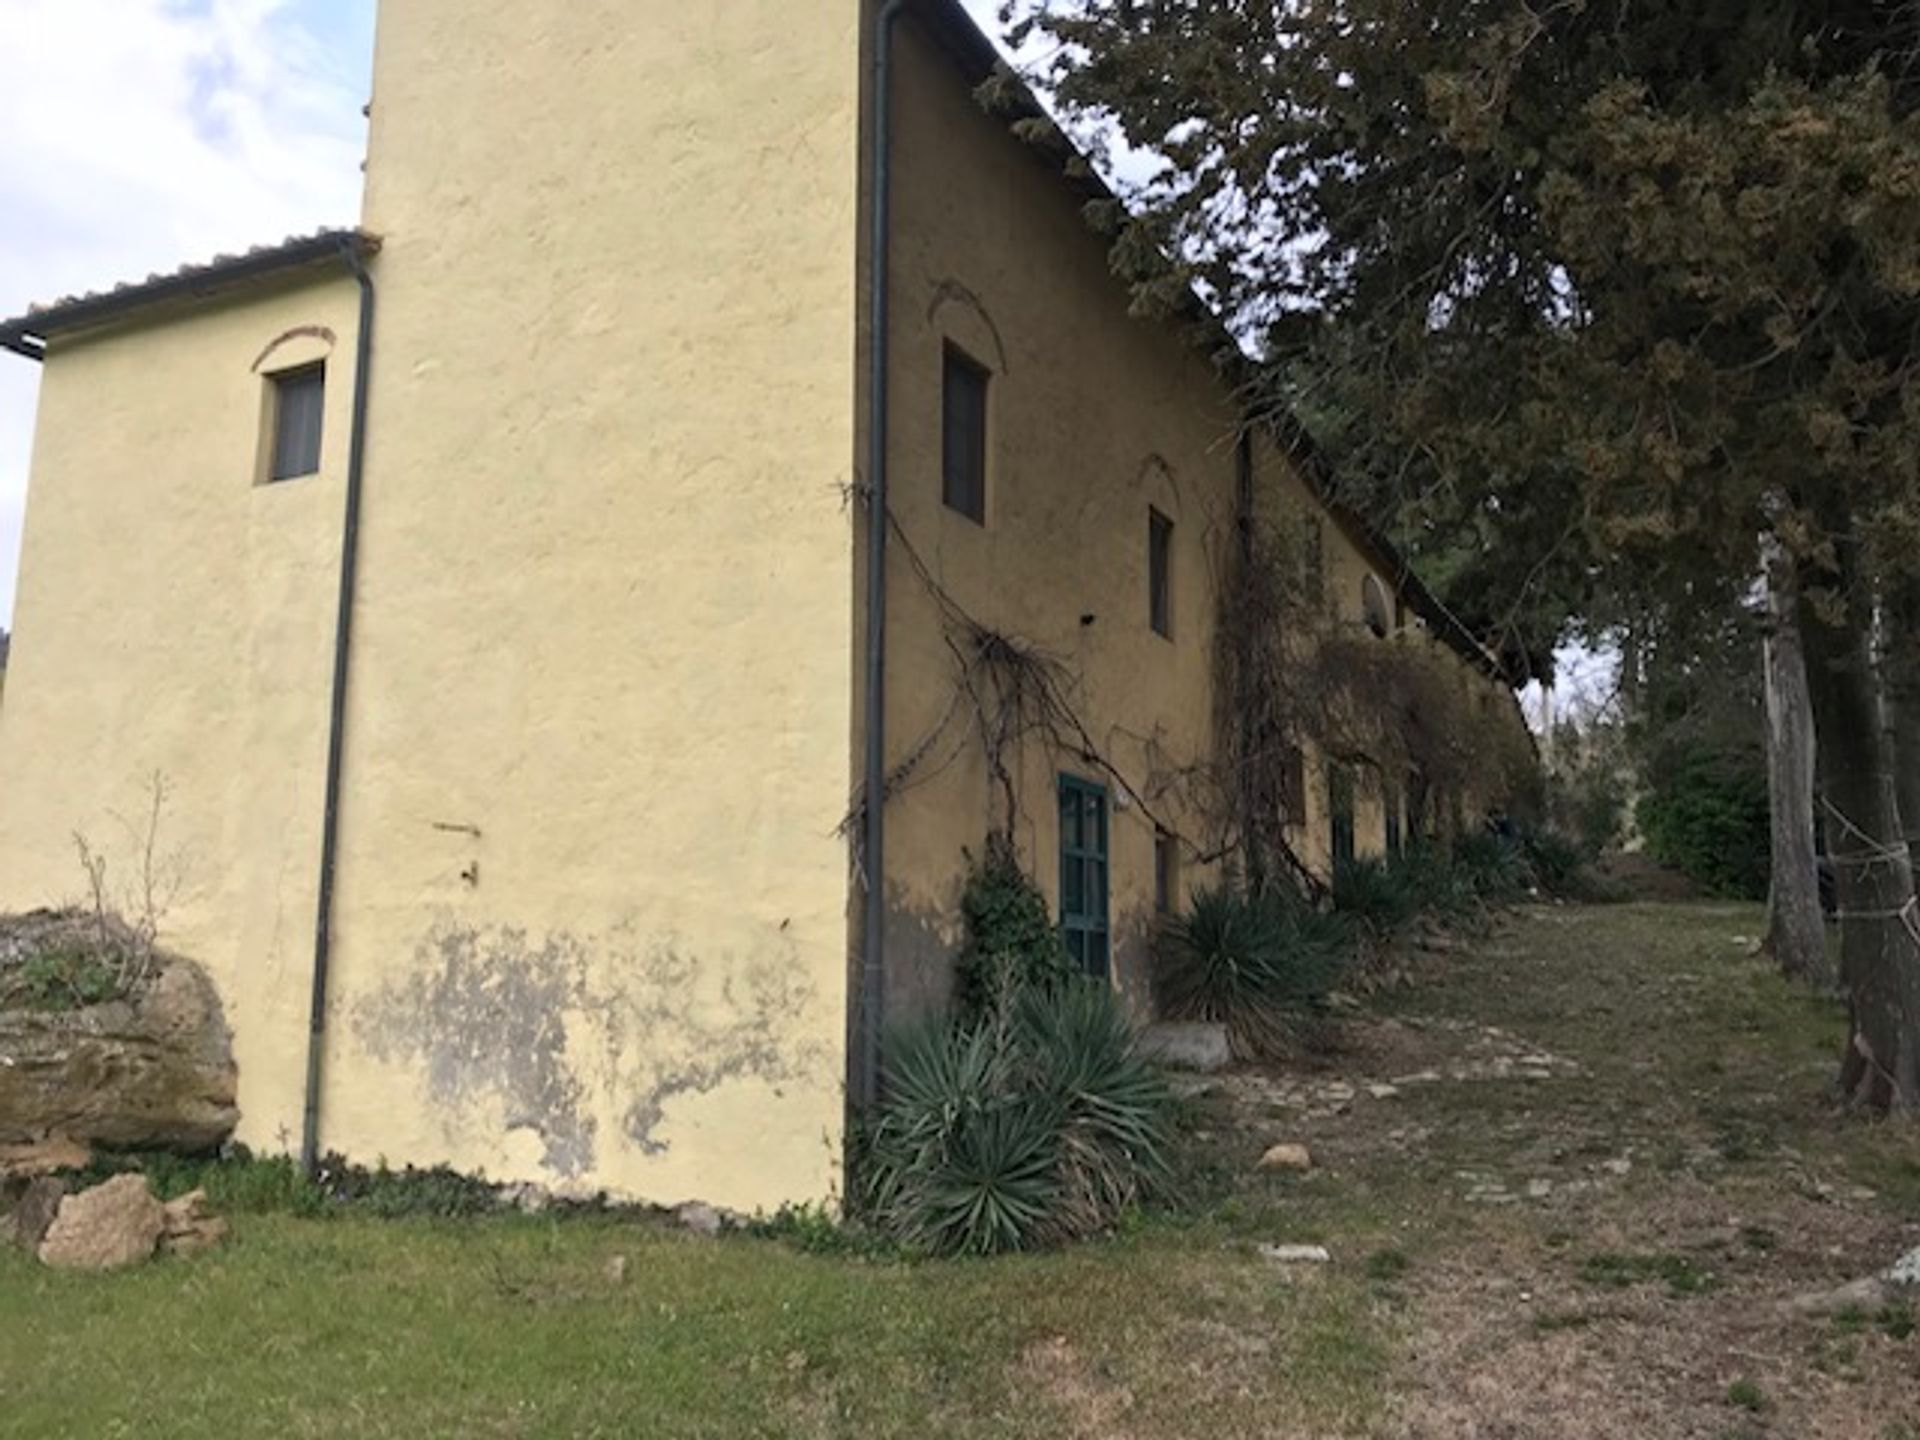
1083	875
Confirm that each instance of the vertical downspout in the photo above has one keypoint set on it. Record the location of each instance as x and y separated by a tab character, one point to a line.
873	986
352	252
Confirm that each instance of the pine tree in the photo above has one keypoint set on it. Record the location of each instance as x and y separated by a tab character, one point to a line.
1619	286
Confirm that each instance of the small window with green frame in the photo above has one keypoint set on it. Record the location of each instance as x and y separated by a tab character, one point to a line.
1084	874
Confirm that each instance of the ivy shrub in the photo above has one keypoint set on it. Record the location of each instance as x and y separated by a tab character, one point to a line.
1261	964
1031	1125
1705	813
1012	943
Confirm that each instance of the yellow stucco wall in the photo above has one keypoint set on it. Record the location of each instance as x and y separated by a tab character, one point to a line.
1094	416
175	617
1094	419
594	927
591	927
592	924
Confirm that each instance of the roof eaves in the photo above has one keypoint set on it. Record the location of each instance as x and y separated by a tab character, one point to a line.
28	334
980	61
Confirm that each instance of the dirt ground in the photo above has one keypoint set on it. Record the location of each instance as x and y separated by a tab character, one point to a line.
1587	1162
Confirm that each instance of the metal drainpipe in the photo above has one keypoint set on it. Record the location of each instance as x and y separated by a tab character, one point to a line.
873	989
337	719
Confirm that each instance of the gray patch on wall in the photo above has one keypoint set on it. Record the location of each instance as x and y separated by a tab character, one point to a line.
738	1038
488	1012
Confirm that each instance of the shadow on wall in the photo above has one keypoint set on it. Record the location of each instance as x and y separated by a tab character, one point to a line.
545	1028
923	951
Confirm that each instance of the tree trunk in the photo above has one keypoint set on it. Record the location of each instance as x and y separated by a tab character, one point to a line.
1796	928
1901	658
1879	921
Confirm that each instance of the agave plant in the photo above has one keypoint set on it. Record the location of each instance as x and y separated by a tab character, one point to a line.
1033	1125
1257	964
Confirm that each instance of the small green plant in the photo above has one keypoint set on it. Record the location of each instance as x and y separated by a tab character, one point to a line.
68	979
1012	942
1386	1266
1896	1320
1681	1275
818	1230
1259	964
1035	1124
1747	1395
440	1193
237	1183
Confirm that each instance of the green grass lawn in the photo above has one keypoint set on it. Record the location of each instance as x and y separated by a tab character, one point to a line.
1606	1305
514	1327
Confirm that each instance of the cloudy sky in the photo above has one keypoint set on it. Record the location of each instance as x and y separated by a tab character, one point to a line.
144	134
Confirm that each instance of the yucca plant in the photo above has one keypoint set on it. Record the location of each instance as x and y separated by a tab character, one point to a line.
1033	1125
1378	893
1495	869
1259	964
1081	1056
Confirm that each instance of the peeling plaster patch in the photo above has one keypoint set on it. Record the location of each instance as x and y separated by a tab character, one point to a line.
737	1039
486	1011
497	1018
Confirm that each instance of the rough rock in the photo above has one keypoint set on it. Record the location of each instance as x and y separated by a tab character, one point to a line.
1899	1282
1906	1271
615	1270
701	1219
35	1158
106	1228
191	1226
152	1072
32	1216
1197	1048
1860	1295
1297	1254
1287	1157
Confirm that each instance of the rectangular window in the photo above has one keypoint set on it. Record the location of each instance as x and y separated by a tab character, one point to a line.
1160	573
1396	831
1293	783
964	428
299	407
1340	794
1166	872
1083	874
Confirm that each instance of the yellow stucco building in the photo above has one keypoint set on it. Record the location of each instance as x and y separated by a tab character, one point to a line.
492	589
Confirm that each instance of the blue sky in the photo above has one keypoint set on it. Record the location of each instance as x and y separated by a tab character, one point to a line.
144	134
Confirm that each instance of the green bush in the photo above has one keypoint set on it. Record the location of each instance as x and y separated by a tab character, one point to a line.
68	979
1032	1125
1259	964
1559	865
1706	814
1492	868
1012	943
1380	894
237	1184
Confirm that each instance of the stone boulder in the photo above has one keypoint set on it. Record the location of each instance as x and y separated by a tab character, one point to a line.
32	1216
191	1226
108	1227
153	1070
1201	1049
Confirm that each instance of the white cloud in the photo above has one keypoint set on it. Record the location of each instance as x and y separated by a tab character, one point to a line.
144	134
